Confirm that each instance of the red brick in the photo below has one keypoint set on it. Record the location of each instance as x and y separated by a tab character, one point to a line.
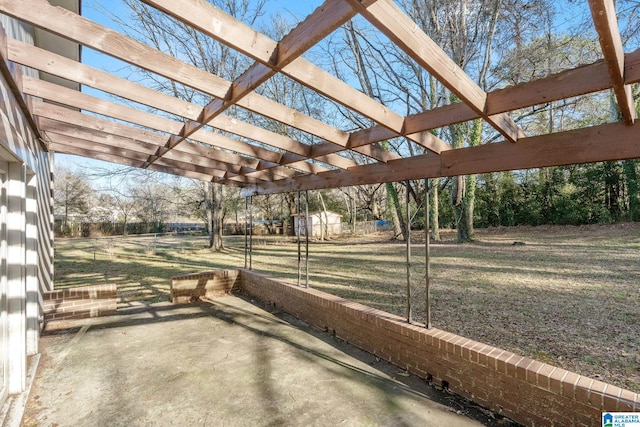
474	352
544	374
597	392
627	401
513	363
522	366
569	384
492	357
446	357
582	389
532	371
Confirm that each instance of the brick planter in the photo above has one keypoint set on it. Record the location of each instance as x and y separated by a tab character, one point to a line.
209	284
79	303
528	391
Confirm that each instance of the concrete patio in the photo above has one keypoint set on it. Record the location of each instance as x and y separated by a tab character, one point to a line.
227	362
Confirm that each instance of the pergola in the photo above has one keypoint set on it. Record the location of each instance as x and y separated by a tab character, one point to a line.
261	161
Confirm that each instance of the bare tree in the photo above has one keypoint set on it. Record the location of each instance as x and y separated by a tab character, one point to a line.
182	41
72	195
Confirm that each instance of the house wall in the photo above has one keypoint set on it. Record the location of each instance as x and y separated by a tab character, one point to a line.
26	249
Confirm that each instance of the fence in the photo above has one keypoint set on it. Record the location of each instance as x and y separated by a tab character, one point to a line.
262	228
233	237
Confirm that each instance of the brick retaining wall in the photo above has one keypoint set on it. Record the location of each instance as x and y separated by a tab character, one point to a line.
79	303
525	390
209	284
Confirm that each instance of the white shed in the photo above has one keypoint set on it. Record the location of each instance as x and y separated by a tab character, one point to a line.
327	221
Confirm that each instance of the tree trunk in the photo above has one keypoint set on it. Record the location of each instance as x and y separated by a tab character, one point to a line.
213	194
293	211
633	188
435	211
460	206
396	211
124	225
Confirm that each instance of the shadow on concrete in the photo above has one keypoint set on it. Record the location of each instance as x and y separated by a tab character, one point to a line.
230	361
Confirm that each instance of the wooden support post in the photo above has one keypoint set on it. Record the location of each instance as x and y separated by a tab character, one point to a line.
408	239
306	221
299	241
250	232
246	232
427	256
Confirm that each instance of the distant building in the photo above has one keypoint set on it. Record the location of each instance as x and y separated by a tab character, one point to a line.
327	222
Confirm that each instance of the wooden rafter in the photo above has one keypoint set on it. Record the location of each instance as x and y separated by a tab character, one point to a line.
81	30
86	102
556	149
400	29
124	161
42	60
245	39
186	147
57	65
606	23
290	48
219	159
79	147
13	77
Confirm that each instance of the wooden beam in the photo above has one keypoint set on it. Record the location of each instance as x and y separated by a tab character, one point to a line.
566	84
314	28
280	57
83	101
129	145
14	85
197	153
604	17
556	149
43	60
124	147
57	65
66	145
402	31
81	30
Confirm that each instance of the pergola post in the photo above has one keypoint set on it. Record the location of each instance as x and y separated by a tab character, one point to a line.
427	256
250	232
408	239
299	242
246	235
306	234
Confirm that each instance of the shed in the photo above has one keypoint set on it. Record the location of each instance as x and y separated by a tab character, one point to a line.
328	221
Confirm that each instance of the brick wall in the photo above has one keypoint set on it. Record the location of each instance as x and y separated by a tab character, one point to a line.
209	284
78	303
530	392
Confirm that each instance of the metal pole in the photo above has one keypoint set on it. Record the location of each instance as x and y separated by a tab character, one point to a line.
250	232
427	256
246	232
408	239
306	234
299	231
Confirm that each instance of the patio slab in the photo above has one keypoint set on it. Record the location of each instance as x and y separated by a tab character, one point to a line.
226	362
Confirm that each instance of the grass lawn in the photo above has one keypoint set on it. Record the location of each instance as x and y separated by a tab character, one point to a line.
569	296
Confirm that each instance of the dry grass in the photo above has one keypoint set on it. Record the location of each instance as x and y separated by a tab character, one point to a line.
569	296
